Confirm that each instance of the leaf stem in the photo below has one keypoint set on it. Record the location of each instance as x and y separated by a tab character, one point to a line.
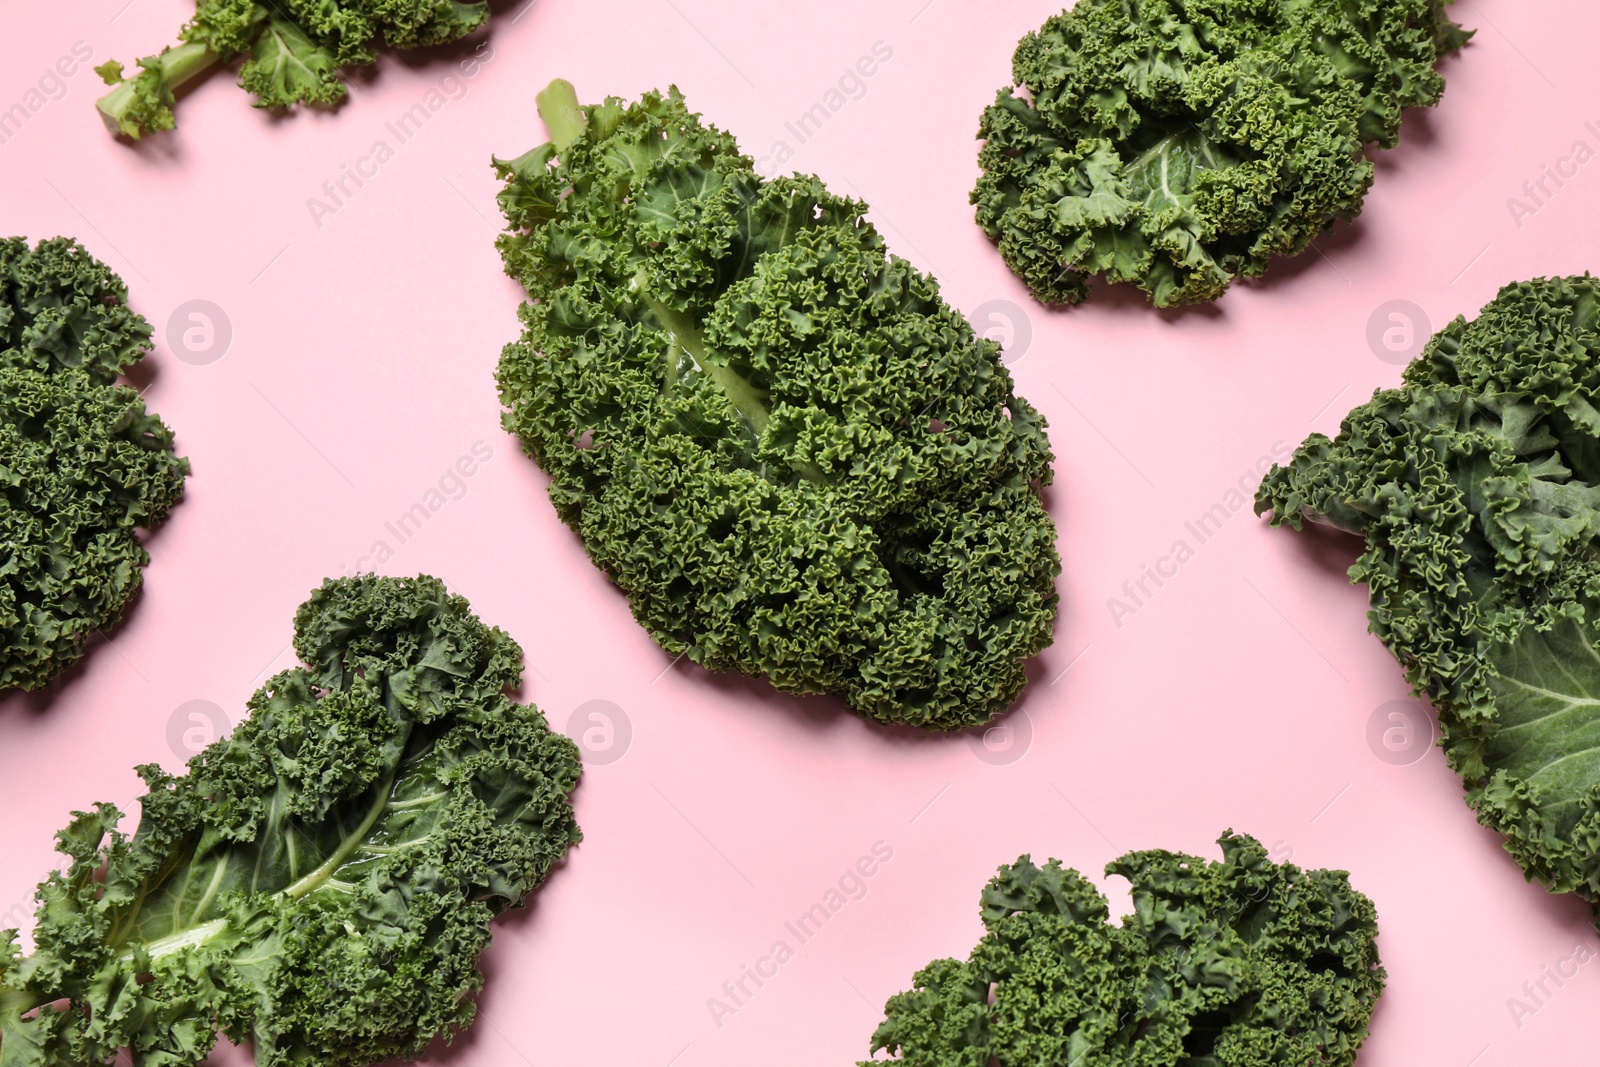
189	938
747	400
175	67
199	935
558	106
1144	159
351	842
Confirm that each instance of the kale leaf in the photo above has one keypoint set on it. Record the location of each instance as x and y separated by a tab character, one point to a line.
321	882
1179	144
1476	485
1243	963
83	466
295	49
788	451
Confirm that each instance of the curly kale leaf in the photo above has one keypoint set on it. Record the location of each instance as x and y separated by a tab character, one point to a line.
83	466
1477	487
321	882
788	451
295	52
1179	144
1243	963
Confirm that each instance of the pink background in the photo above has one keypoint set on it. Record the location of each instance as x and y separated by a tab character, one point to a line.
361	368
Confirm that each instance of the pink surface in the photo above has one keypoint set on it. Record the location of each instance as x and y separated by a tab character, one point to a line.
360	370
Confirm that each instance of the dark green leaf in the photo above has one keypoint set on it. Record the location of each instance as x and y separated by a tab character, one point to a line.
295	51
1477	487
1179	145
321	882
790	453
1243	963
83	466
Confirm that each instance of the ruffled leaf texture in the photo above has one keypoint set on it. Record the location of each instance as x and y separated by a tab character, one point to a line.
1179	144
1242	963
322	882
776	438
83	465
1476	485
295	51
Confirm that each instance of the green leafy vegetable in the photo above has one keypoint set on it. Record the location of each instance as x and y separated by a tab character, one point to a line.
1477	487
1243	963
1179	144
296	51
794	458
83	466
322	881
